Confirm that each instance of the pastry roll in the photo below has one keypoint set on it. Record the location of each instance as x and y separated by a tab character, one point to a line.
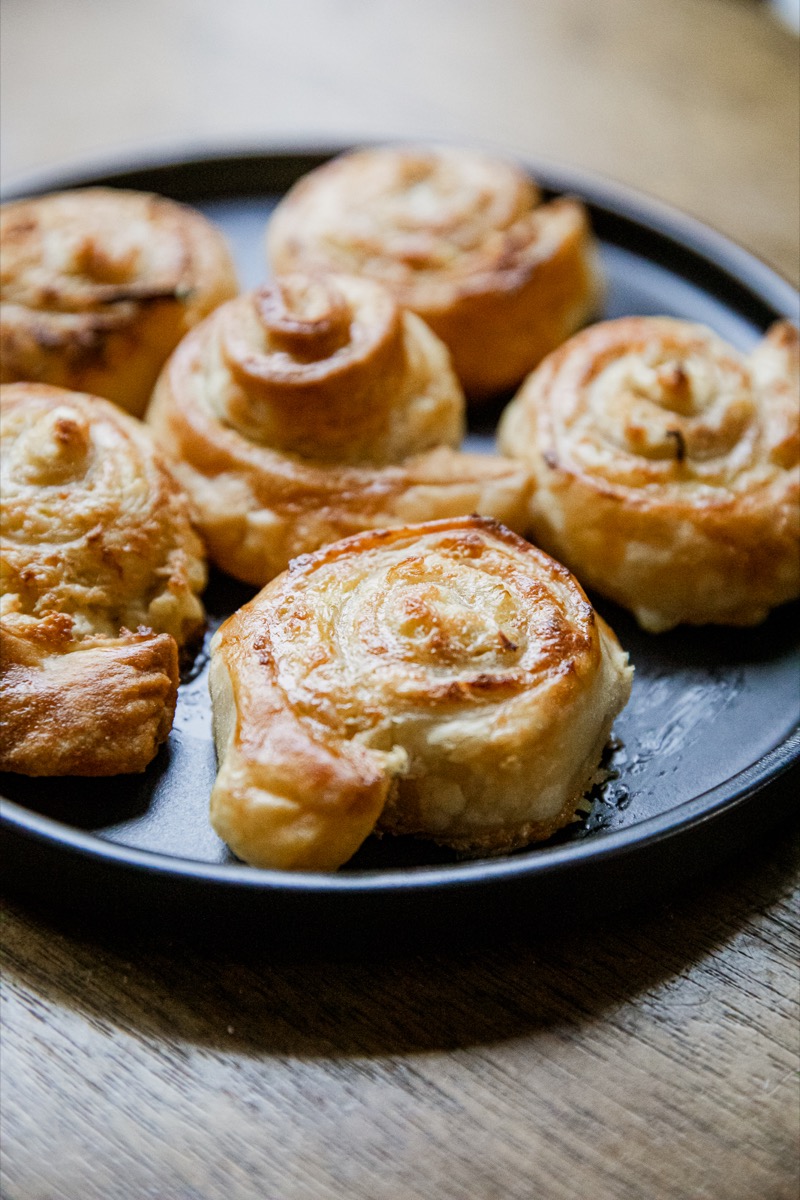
98	286
461	239
100	571
666	468
313	409
445	680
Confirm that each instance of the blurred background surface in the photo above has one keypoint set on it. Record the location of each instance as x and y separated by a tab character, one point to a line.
694	101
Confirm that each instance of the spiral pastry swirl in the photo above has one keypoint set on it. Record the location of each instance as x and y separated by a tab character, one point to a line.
666	468
313	409
459	238
100	571
98	286
445	680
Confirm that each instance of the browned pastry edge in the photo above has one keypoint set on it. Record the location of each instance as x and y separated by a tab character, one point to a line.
80	536
93	709
111	337
490	333
295	791
259	507
530	284
665	546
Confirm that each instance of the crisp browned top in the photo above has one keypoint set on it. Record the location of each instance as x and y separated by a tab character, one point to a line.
445	679
98	253
94	527
432	223
460	611
664	411
327	368
98	285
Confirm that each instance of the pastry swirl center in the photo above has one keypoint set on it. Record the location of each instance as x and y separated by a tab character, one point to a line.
54	450
684	413
311	366
65	260
308	319
444	620
439	628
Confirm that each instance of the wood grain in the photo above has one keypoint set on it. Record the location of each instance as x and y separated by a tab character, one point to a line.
653	1056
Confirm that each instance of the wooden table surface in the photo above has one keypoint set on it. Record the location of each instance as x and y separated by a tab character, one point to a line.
654	1056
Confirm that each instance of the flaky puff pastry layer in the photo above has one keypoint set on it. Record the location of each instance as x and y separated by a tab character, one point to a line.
666	468
98	286
314	409
446	680
100	571
460	238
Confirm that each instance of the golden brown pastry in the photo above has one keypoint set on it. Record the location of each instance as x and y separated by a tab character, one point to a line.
460	238
100	571
666	468
446	680
98	286
313	409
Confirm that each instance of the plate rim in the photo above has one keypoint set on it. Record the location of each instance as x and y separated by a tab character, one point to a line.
476	872
670	220
745	270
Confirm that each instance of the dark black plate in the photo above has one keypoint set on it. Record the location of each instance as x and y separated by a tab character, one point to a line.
709	753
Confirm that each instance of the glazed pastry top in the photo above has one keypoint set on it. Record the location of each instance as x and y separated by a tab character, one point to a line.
98	285
328	369
313	408
428	223
644	402
446	680
460	238
666	468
